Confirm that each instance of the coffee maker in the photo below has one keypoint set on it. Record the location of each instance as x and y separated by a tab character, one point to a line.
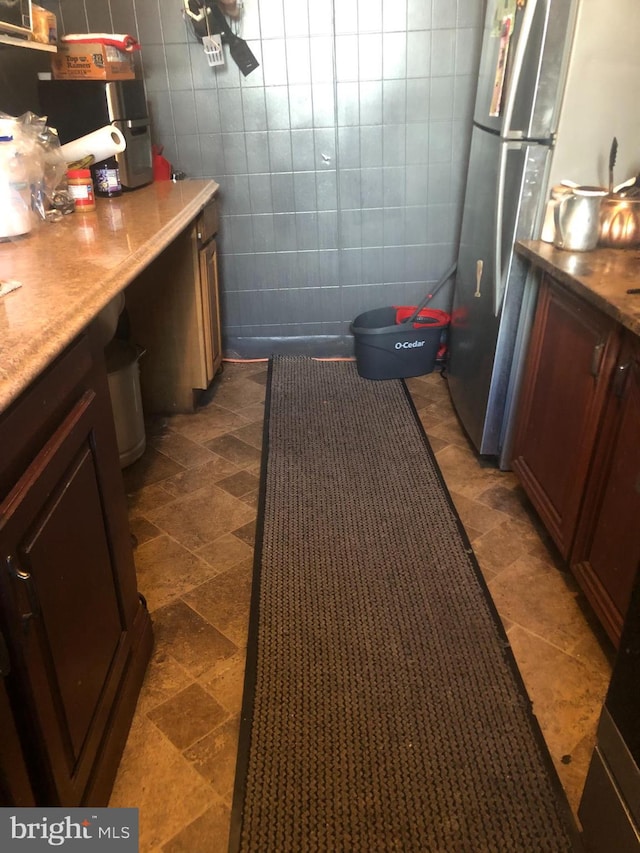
77	107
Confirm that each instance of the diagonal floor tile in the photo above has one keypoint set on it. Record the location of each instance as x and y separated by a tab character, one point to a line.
202	516
191	640
166	570
188	716
149	761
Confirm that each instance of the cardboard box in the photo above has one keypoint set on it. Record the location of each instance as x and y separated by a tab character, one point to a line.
91	61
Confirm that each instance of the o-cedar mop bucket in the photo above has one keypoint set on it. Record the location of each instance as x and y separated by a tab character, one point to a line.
398	342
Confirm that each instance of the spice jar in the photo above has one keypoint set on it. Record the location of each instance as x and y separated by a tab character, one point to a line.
81	188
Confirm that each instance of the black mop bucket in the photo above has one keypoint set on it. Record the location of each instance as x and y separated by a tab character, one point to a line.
396	342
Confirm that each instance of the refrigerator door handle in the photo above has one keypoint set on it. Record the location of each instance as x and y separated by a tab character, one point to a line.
499	273
516	69
498	288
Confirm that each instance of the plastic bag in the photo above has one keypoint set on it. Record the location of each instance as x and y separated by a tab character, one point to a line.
38	148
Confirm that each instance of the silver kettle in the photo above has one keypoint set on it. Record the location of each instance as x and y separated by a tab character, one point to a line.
577	219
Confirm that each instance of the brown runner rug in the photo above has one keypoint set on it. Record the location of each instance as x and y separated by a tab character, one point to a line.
383	710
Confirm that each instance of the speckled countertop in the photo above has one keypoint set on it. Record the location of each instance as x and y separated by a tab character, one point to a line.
602	276
71	269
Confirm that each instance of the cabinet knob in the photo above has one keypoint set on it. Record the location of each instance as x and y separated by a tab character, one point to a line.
619	378
596	359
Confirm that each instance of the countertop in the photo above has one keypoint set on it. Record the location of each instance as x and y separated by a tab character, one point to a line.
69	270
602	276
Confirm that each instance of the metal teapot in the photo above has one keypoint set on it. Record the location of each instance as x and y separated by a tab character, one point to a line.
577	219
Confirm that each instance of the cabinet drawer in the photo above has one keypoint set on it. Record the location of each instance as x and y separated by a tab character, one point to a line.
207	222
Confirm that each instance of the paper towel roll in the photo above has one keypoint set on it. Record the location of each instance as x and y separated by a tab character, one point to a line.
100	144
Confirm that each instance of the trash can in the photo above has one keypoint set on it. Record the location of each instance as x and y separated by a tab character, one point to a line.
123	372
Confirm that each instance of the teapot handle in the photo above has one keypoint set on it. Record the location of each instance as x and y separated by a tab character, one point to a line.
558	240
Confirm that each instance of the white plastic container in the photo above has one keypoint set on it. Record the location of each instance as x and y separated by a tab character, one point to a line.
15	192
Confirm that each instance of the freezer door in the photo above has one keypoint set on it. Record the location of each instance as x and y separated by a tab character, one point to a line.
502	204
534	71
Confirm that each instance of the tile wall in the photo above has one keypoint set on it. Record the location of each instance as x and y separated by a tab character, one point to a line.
341	159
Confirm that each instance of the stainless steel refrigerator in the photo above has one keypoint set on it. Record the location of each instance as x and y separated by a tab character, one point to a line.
557	81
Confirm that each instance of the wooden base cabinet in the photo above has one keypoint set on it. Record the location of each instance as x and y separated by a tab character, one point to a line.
576	450
77	634
572	353
174	312
606	553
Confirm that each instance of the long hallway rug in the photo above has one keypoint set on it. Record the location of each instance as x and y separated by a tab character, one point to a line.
383	710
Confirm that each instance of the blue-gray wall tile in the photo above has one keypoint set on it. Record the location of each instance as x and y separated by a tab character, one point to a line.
298	60
183	105
154	62
370	16
207	111
444	14
257	146
341	159
300	107
212	155
418	53
303	150
178	66
280	150
271	19
394	15
274	62
371	188
235	154
282	192
321	57
123	16
189	156
263	232
394	50
254	109
346	17
296	18
277	104
418	92
327	190
394	101
305	195
323	106
373	226
370	56
419	14
259	191
148	18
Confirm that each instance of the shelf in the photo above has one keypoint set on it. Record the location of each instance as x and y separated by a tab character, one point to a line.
30	45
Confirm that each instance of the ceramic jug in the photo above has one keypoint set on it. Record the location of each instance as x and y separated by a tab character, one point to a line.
577	220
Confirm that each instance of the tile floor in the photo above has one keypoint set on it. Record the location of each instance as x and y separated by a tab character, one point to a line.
193	499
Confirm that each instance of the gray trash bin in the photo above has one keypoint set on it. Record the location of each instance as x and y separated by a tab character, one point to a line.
123	372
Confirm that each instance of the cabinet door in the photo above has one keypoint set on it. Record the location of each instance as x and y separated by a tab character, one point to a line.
606	555
62	603
571	356
210	309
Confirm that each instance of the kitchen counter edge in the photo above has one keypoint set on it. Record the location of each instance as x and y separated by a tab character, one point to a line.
601	276
41	318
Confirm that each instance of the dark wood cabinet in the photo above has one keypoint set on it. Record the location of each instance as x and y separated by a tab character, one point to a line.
78	635
572	353
606	553
576	450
